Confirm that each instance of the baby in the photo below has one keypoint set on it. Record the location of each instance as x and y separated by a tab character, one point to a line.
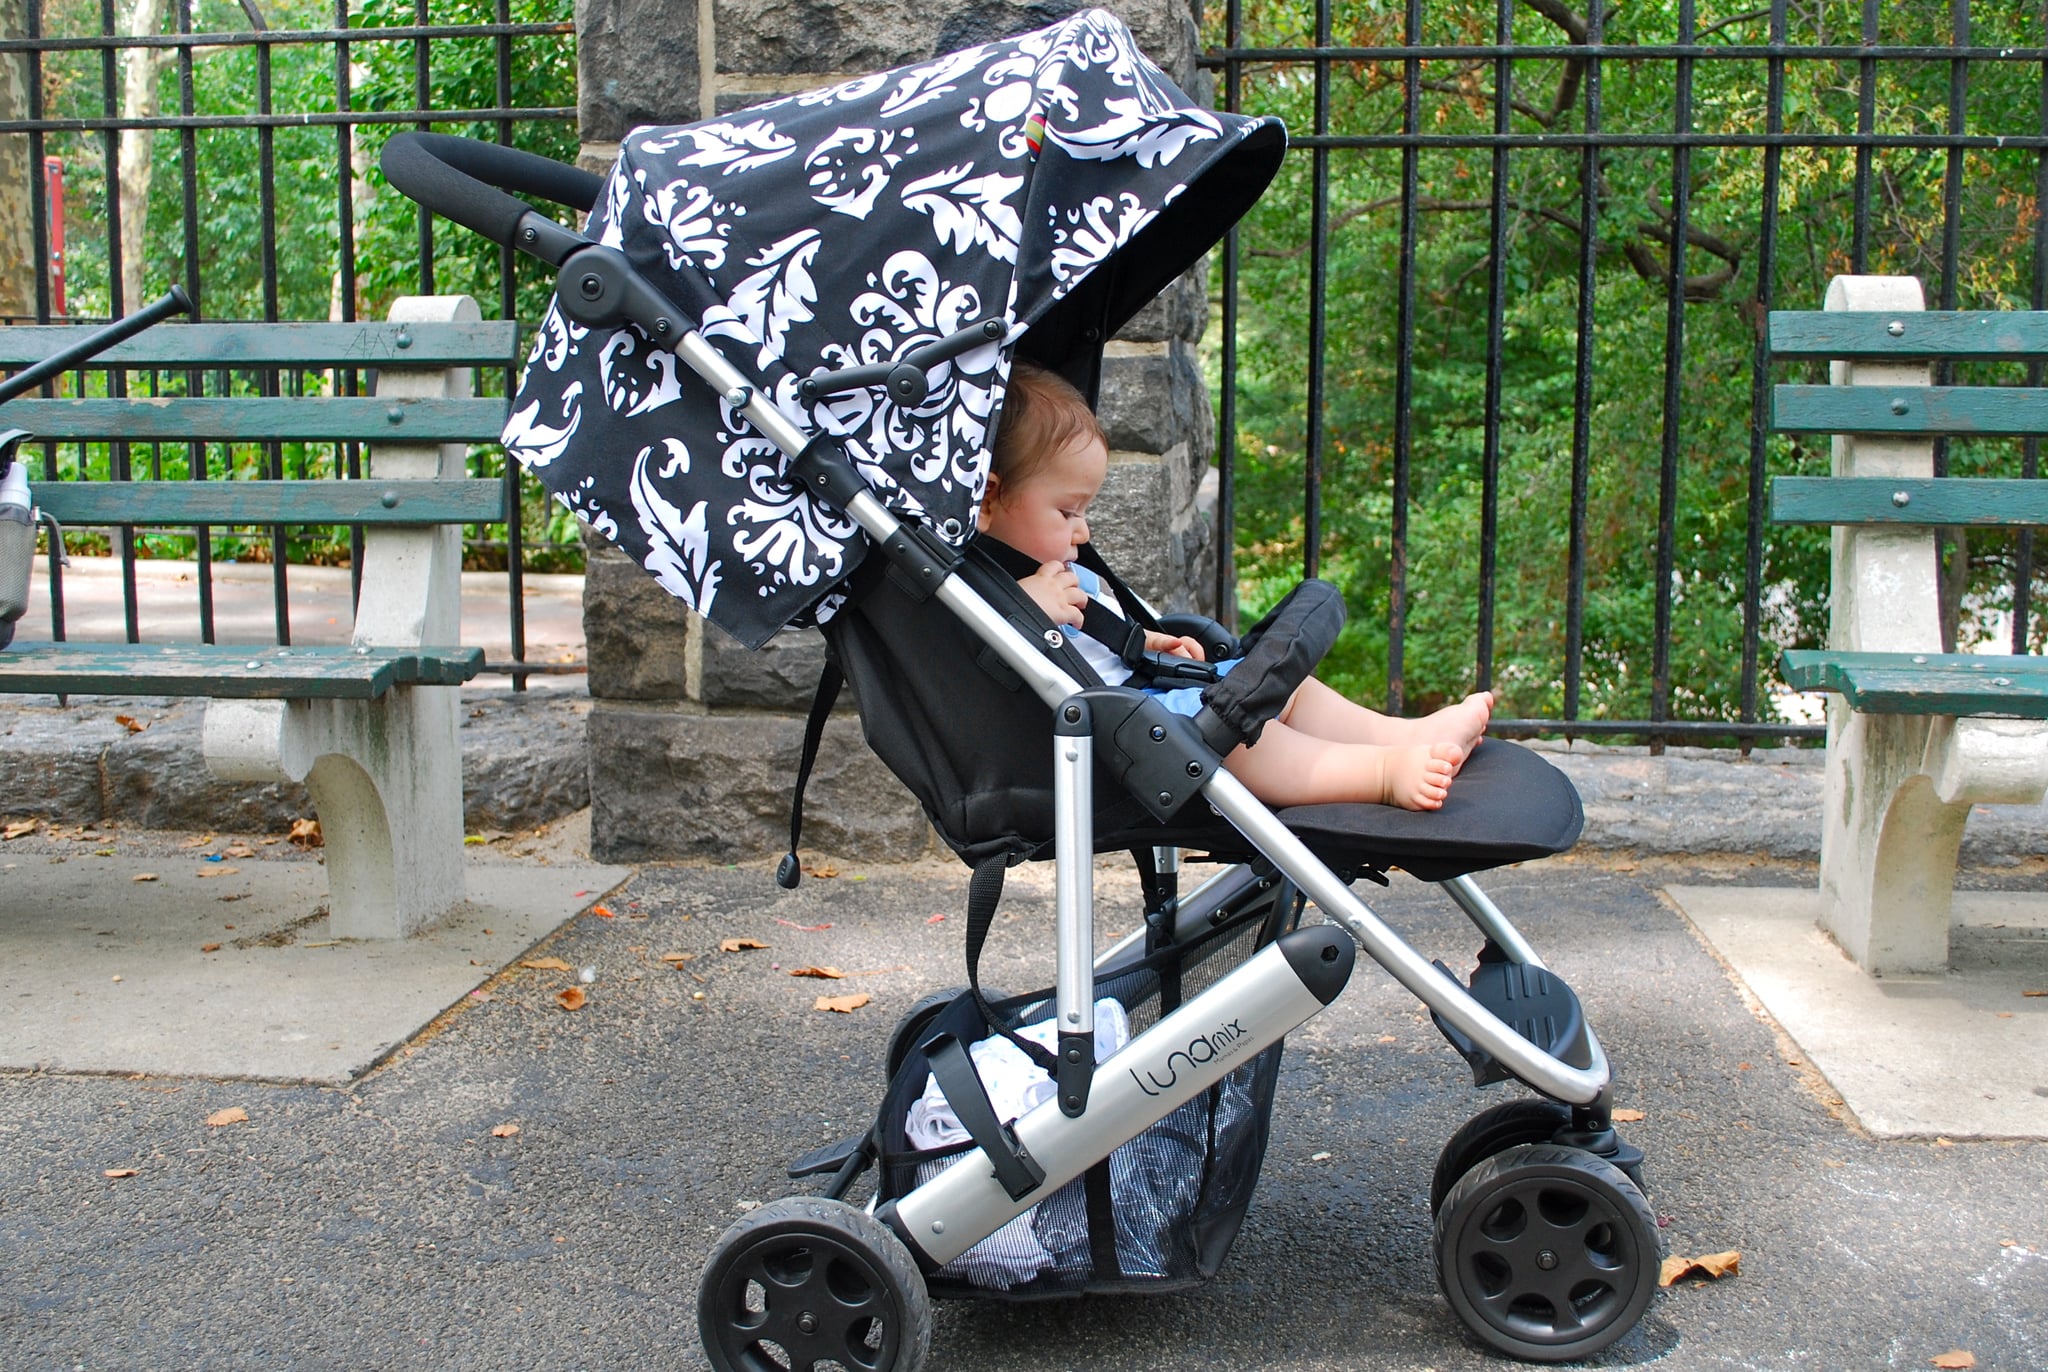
1050	460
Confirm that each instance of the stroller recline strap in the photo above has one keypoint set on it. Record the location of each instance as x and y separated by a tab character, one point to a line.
790	871
954	1070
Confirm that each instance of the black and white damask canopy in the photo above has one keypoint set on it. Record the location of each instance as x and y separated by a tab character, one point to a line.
1054	181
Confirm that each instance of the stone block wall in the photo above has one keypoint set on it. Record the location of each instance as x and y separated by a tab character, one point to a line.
694	740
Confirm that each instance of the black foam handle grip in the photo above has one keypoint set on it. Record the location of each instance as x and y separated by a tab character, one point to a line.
467	181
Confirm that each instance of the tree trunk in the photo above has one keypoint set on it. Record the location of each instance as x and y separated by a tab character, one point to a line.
140	69
18	246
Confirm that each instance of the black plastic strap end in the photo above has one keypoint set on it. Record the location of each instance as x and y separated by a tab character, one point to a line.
789	873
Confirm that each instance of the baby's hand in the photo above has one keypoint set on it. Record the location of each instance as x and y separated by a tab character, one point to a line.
1181	646
1057	591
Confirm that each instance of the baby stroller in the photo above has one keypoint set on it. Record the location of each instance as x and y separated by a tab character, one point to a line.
844	277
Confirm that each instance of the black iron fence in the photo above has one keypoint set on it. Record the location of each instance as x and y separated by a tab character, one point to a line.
229	147
1518	267
1490	354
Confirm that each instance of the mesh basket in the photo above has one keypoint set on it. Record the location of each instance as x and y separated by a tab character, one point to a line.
1160	1212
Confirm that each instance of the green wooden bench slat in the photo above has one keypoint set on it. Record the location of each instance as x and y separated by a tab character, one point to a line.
229	671
488	343
1962	334
1963	410
261	420
478	500
1980	502
1924	683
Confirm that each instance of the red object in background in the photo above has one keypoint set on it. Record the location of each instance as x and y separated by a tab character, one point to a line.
53	194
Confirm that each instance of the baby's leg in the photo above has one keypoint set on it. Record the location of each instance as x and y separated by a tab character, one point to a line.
1288	767
1319	711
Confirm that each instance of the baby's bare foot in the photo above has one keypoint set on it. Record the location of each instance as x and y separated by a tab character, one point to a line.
1461	725
1417	776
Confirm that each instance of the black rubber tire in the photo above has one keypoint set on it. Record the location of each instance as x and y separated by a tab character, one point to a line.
1526	1119
1547	1253
833	1285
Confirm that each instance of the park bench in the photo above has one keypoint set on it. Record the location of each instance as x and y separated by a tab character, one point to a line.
370	727
1916	736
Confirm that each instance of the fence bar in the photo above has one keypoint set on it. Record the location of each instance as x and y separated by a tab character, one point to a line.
1226	399
1582	376
1866	123
1318	290
1496	325
1674	375
1404	374
1760	376
2030	453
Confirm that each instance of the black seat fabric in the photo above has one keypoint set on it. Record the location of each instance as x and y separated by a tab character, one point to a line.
975	746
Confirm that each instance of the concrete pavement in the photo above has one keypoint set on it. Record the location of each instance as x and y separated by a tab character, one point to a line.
529	1186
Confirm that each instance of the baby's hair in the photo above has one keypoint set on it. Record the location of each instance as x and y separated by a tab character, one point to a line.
1042	413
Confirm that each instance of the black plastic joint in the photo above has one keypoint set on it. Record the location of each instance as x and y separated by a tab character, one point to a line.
1322	956
540	236
598	288
1076	1073
825	471
920	560
1160	758
887	1214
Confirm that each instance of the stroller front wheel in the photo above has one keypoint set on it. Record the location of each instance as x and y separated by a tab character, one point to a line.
805	1282
1547	1253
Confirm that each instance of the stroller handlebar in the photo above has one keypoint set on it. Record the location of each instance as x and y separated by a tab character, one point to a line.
468	181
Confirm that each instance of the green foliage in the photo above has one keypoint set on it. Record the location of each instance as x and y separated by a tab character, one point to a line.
291	186
1628	425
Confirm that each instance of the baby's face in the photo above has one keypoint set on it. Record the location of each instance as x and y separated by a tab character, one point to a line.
1045	516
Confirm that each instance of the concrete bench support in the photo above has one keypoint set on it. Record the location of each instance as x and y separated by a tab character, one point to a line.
385	775
1899	787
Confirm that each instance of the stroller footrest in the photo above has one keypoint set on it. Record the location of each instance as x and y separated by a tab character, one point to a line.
1533	1001
829	1158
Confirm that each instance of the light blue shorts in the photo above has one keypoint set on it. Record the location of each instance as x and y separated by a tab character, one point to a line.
1187	700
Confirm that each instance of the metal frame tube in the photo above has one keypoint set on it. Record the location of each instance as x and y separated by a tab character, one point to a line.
1073	802
1481	910
1440	993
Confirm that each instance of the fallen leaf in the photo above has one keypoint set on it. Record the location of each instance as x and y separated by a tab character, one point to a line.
197	841
135	726
209	947
1955	1357
828	973
1940	1142
1629	1117
504	1131
145	876
842	1005
807	928
206	872
547	965
676	960
118	1172
1712	1265
234	1114
739	945
18	827
238	850
306	833
474	839
822	869
600	912
571	998
2024	993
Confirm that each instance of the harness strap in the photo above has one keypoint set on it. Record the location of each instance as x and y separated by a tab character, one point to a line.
984	893
790	871
954	1070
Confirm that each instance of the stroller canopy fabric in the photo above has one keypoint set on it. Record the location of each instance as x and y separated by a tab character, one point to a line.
1052	173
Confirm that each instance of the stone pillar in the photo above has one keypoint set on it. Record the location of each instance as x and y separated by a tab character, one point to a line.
694	740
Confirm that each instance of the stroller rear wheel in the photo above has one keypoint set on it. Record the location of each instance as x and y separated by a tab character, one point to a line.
1547	1253
803	1283
1527	1119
